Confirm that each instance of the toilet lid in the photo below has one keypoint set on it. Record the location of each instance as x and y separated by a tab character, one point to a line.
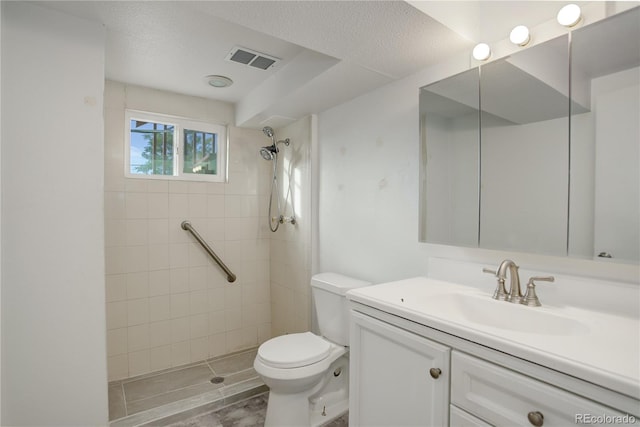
294	350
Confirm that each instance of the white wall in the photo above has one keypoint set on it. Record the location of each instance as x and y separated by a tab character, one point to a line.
368	191
53	316
168	303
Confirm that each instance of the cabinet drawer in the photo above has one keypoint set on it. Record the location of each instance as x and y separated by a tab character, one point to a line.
503	397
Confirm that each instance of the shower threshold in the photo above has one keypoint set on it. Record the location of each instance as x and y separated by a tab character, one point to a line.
194	388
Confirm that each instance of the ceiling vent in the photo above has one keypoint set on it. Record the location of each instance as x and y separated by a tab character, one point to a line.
251	58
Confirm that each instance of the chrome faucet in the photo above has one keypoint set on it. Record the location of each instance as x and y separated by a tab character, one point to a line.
515	294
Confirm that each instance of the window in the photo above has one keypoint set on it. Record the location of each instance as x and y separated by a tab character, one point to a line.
166	147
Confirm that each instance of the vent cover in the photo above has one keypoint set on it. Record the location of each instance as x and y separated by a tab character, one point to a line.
251	58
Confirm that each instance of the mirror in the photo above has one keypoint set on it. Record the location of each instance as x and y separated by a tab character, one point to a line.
525	149
450	121
605	139
510	161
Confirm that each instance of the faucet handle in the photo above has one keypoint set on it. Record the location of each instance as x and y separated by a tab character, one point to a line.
542	279
500	293
530	298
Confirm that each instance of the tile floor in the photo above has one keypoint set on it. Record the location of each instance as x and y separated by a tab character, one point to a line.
188	389
247	413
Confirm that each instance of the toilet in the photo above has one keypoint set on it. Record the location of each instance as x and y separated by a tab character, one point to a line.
308	374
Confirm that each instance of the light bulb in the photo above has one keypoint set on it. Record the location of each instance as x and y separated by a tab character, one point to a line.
482	52
569	15
520	35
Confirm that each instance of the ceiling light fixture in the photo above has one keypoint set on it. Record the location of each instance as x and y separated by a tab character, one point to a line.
219	81
569	15
482	52
520	35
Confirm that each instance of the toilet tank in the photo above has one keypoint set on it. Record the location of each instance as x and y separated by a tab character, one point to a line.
329	299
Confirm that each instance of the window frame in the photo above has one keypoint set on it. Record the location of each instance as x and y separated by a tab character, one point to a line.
179	125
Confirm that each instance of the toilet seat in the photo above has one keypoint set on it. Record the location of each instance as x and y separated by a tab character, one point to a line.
294	350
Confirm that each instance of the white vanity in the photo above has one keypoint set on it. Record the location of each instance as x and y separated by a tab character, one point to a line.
429	352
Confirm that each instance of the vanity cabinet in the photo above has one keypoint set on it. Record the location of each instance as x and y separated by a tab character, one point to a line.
406	374
397	378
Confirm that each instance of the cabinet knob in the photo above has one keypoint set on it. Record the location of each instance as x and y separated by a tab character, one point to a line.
435	373
535	418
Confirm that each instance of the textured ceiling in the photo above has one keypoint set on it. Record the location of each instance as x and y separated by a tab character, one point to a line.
331	51
389	37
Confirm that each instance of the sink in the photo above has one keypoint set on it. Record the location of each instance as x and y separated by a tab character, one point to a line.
485	311
581	341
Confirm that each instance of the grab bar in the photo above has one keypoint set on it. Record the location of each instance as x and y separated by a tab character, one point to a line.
186	225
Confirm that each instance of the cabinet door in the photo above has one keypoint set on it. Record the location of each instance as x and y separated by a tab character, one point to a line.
391	380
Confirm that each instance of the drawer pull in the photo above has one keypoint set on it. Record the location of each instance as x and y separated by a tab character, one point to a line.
435	373
535	418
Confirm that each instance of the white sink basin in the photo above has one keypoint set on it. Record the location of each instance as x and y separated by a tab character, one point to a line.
596	346
485	311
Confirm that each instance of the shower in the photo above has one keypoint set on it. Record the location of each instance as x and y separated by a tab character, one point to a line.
270	152
266	153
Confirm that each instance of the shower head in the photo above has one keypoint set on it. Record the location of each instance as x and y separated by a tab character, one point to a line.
268	152
268	131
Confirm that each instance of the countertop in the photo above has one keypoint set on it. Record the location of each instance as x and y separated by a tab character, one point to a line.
595	346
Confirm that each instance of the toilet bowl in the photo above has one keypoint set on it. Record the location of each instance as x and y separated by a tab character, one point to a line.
308	374
294	384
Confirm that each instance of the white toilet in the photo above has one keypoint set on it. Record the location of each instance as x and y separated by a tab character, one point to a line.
307	374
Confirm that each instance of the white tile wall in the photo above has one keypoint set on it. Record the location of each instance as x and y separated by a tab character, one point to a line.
168	304
290	246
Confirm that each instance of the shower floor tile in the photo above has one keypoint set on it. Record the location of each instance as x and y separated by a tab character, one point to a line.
168	382
139	400
235	363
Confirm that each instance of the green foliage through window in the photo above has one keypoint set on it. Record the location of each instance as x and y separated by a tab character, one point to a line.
200	152
151	148
170	147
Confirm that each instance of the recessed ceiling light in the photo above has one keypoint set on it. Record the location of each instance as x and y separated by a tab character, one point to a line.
569	15
482	52
219	81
